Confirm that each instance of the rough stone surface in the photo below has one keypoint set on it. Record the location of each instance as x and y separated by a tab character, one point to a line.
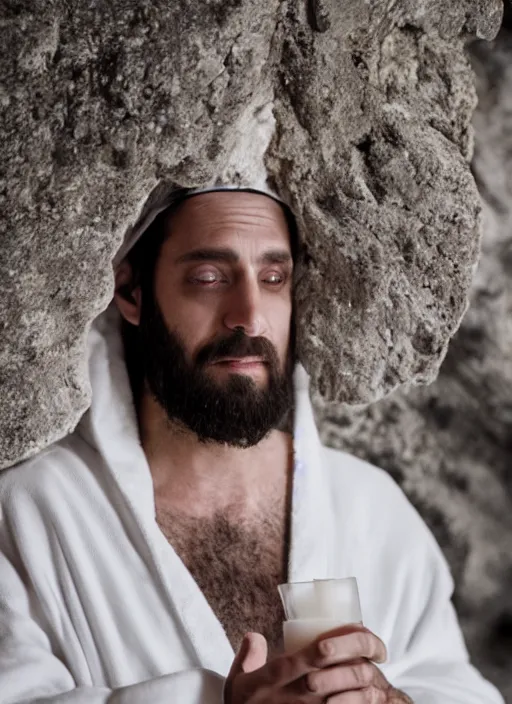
386	204
101	102
449	444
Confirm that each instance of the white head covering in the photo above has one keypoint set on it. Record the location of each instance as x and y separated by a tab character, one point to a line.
243	166
163	197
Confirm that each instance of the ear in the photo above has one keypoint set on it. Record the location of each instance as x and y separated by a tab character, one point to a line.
128	301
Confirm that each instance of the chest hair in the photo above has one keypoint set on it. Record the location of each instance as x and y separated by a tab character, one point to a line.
237	567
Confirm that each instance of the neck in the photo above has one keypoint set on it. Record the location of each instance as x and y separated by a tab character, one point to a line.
202	479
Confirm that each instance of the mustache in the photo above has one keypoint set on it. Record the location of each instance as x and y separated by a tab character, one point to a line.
237	345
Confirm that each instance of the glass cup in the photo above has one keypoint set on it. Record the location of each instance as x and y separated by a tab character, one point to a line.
313	608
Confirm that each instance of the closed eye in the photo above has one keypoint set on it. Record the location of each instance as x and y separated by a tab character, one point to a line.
206	276
275	279
205	279
212	278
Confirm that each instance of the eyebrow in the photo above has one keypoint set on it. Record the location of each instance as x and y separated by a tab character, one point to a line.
224	254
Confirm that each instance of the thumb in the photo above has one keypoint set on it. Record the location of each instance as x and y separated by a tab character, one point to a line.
251	655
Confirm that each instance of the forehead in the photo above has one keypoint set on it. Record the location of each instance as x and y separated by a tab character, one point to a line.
236	219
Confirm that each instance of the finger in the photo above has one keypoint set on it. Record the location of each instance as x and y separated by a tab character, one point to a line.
350	646
256	652
342	678
371	695
343	630
252	652
251	655
360	643
236	665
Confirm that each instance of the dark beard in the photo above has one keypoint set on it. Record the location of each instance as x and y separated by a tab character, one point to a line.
235	412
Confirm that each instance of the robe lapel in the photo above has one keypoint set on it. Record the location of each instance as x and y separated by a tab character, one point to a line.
311	520
111	427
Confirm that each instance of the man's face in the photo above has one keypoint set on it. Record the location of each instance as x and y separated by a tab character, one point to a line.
216	336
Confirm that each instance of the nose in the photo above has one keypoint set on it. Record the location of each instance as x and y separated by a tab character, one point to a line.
244	309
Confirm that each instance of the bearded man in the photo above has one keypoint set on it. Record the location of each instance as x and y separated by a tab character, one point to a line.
140	556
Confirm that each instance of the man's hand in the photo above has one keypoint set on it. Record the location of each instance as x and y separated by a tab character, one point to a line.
336	668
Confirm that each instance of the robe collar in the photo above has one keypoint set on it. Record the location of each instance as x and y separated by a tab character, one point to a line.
110	427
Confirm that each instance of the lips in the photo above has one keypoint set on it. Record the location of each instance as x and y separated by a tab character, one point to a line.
240	360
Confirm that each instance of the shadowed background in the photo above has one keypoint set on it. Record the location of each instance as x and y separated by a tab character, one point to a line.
369	109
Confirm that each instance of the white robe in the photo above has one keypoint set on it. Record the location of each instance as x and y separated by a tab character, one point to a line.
97	608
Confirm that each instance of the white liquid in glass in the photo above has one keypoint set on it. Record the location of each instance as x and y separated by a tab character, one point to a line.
298	633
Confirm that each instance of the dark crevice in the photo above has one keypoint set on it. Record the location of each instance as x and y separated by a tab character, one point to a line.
365	145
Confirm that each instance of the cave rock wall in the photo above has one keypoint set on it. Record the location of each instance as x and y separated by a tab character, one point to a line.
101	103
449	444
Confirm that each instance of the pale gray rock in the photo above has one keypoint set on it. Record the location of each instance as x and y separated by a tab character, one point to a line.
449	444
99	102
102	102
388	209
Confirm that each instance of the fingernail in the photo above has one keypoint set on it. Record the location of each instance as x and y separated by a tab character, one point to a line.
384	657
